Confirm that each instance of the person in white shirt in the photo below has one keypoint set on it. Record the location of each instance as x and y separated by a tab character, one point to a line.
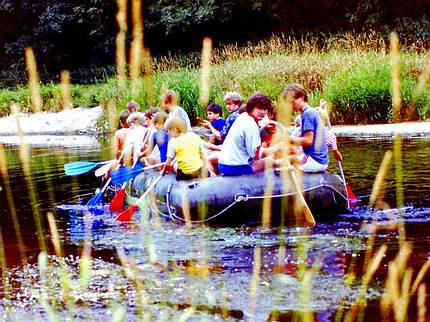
241	152
136	136
169	101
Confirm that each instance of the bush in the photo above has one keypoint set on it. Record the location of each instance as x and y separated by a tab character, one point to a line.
363	93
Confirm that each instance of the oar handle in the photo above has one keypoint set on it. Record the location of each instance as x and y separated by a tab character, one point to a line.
148	190
342	176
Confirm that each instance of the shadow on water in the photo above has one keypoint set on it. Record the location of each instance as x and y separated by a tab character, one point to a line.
211	269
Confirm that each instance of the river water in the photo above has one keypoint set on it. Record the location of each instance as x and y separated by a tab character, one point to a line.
231	273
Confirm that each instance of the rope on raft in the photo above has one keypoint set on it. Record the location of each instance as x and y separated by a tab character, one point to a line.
240	197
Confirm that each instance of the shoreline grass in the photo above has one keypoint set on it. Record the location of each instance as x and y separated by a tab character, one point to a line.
351	72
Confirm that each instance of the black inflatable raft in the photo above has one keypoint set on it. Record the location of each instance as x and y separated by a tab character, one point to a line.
239	200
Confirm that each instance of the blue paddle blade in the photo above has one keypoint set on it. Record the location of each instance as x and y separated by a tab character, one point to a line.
124	174
97	199
80	167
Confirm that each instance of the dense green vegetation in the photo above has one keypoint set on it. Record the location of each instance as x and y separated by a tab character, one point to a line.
79	35
353	74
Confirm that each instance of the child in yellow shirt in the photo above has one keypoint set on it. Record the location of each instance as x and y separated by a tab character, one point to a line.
187	149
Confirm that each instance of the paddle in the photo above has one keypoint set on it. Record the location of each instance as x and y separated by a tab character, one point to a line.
301	203
351	199
81	167
118	201
105	169
128	214
124	174
99	195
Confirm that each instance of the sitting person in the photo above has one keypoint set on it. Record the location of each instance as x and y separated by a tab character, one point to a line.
329	133
135	138
132	107
149	113
233	101
241	152
169	101
120	134
159	138
312	137
186	148
214	123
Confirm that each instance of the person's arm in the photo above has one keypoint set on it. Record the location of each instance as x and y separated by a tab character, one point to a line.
166	166
211	146
305	140
208	125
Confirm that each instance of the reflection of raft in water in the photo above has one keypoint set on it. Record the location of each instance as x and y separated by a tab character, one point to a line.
239	200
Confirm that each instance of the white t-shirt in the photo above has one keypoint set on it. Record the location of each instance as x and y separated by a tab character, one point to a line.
134	141
180	113
241	143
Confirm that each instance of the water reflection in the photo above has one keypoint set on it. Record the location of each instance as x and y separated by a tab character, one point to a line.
212	268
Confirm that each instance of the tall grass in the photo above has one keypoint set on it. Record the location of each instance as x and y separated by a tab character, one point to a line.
351	71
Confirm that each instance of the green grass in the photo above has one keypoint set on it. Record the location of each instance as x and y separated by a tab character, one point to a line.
353	74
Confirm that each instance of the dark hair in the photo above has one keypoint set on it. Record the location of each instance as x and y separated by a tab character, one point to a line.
260	100
151	111
170	96
215	108
296	91
159	117
123	118
132	107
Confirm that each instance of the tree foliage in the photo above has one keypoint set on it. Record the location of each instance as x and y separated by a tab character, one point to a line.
74	34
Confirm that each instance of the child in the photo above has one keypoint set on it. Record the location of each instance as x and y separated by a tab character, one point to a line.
136	136
121	134
133	107
158	139
187	148
214	123
329	133
169	100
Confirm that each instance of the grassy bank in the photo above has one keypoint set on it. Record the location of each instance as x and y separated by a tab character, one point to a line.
352	72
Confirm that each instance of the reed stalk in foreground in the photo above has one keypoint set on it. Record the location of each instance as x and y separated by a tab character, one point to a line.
11	203
33	78
66	96
137	46
395	77
25	161
120	43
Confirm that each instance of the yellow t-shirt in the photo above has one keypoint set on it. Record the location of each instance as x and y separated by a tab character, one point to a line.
186	149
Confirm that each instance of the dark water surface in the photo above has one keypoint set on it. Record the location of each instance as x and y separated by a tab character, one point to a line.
209	273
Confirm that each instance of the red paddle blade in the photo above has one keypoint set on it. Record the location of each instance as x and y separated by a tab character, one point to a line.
351	196
127	215
116	204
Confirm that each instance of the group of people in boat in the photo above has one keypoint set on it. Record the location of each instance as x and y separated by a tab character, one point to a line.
243	143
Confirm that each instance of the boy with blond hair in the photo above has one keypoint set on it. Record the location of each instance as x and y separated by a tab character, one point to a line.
187	149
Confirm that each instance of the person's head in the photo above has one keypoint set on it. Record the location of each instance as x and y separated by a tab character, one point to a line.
233	101
150	112
123	119
258	105
133	107
214	112
159	119
136	119
169	99
298	121
298	96
175	127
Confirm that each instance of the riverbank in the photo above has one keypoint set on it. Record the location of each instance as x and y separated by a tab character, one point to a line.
85	121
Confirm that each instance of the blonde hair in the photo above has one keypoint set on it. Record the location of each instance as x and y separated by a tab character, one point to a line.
176	123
